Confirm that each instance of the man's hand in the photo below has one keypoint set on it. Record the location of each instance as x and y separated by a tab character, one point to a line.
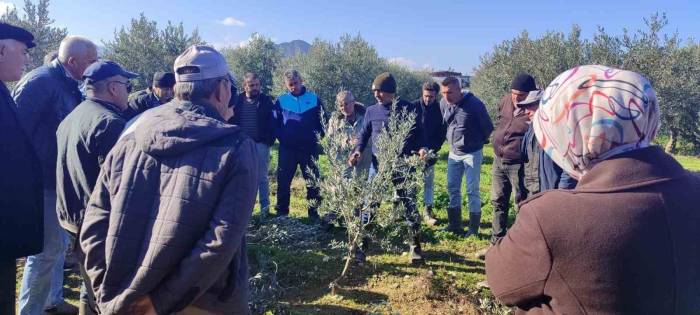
354	157
421	153
142	306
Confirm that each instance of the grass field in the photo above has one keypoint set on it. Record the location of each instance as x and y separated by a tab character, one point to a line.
386	284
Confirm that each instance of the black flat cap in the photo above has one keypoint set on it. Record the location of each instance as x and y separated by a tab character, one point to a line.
8	31
164	79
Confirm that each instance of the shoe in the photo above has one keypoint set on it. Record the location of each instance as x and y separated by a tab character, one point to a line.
481	254
415	254
64	308
454	224
482	284
360	251
474	222
428	216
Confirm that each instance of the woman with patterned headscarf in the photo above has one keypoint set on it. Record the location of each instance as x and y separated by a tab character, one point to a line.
626	239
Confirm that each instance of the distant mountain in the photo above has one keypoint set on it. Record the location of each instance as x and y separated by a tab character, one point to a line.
291	48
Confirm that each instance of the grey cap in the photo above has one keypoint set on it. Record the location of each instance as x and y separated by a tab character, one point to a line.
199	62
532	97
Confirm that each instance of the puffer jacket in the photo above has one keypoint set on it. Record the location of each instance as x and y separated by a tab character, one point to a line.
169	213
44	97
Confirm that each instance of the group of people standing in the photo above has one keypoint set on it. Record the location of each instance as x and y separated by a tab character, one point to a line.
153	193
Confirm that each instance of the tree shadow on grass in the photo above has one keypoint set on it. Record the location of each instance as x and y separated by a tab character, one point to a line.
324	309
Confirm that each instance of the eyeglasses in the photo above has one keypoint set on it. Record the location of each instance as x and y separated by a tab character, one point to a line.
127	84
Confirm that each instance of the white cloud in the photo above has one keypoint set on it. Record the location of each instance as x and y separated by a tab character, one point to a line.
231	21
403	61
6	7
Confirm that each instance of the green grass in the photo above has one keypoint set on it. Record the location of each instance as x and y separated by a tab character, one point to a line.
386	284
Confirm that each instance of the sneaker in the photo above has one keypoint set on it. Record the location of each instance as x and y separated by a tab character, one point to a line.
482	284
62	309
429	220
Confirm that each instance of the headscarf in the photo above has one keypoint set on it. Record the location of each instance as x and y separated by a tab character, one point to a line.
590	113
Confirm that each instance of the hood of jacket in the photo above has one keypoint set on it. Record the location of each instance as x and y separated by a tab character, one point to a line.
179	127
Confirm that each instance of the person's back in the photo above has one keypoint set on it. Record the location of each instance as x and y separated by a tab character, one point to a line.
624	241
163	187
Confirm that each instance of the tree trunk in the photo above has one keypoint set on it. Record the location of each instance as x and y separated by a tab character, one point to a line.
671	144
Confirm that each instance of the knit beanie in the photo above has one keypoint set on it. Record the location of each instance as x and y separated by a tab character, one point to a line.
524	83
384	82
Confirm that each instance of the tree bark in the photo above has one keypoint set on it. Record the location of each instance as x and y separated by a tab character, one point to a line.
671	144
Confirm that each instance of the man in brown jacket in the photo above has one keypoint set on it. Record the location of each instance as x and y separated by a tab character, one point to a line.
507	172
625	240
164	230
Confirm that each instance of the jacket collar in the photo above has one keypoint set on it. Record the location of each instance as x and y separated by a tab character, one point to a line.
202	108
632	169
106	105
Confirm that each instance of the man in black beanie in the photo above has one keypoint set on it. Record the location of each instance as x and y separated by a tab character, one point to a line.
384	89
507	171
160	92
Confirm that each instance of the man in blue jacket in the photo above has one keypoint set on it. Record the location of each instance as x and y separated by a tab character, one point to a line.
298	124
44	97
21	228
468	129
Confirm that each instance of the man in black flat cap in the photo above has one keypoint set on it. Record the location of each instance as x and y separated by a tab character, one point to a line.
160	92
84	138
21	197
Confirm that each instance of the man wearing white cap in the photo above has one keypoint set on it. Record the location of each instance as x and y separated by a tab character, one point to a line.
172	202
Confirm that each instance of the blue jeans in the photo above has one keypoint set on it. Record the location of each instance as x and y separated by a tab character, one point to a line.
263	181
469	165
428	185
42	281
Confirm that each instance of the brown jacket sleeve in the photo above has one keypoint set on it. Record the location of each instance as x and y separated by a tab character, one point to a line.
518	265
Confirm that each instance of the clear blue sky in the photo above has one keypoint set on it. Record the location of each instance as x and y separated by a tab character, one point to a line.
438	33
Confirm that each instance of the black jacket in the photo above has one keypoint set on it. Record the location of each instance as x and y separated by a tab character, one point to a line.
431	118
84	139
44	97
468	124
266	121
21	192
376	119
140	102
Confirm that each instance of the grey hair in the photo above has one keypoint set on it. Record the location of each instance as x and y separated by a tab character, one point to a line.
343	96
194	91
96	88
292	74
73	46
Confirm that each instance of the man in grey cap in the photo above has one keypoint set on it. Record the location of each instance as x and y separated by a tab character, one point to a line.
84	138
44	97
21	224
171	205
160	92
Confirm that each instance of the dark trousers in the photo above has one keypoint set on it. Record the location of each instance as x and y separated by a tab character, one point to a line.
287	162
504	179
87	295
8	282
407	197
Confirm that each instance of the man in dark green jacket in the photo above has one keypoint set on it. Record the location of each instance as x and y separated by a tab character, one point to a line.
84	138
